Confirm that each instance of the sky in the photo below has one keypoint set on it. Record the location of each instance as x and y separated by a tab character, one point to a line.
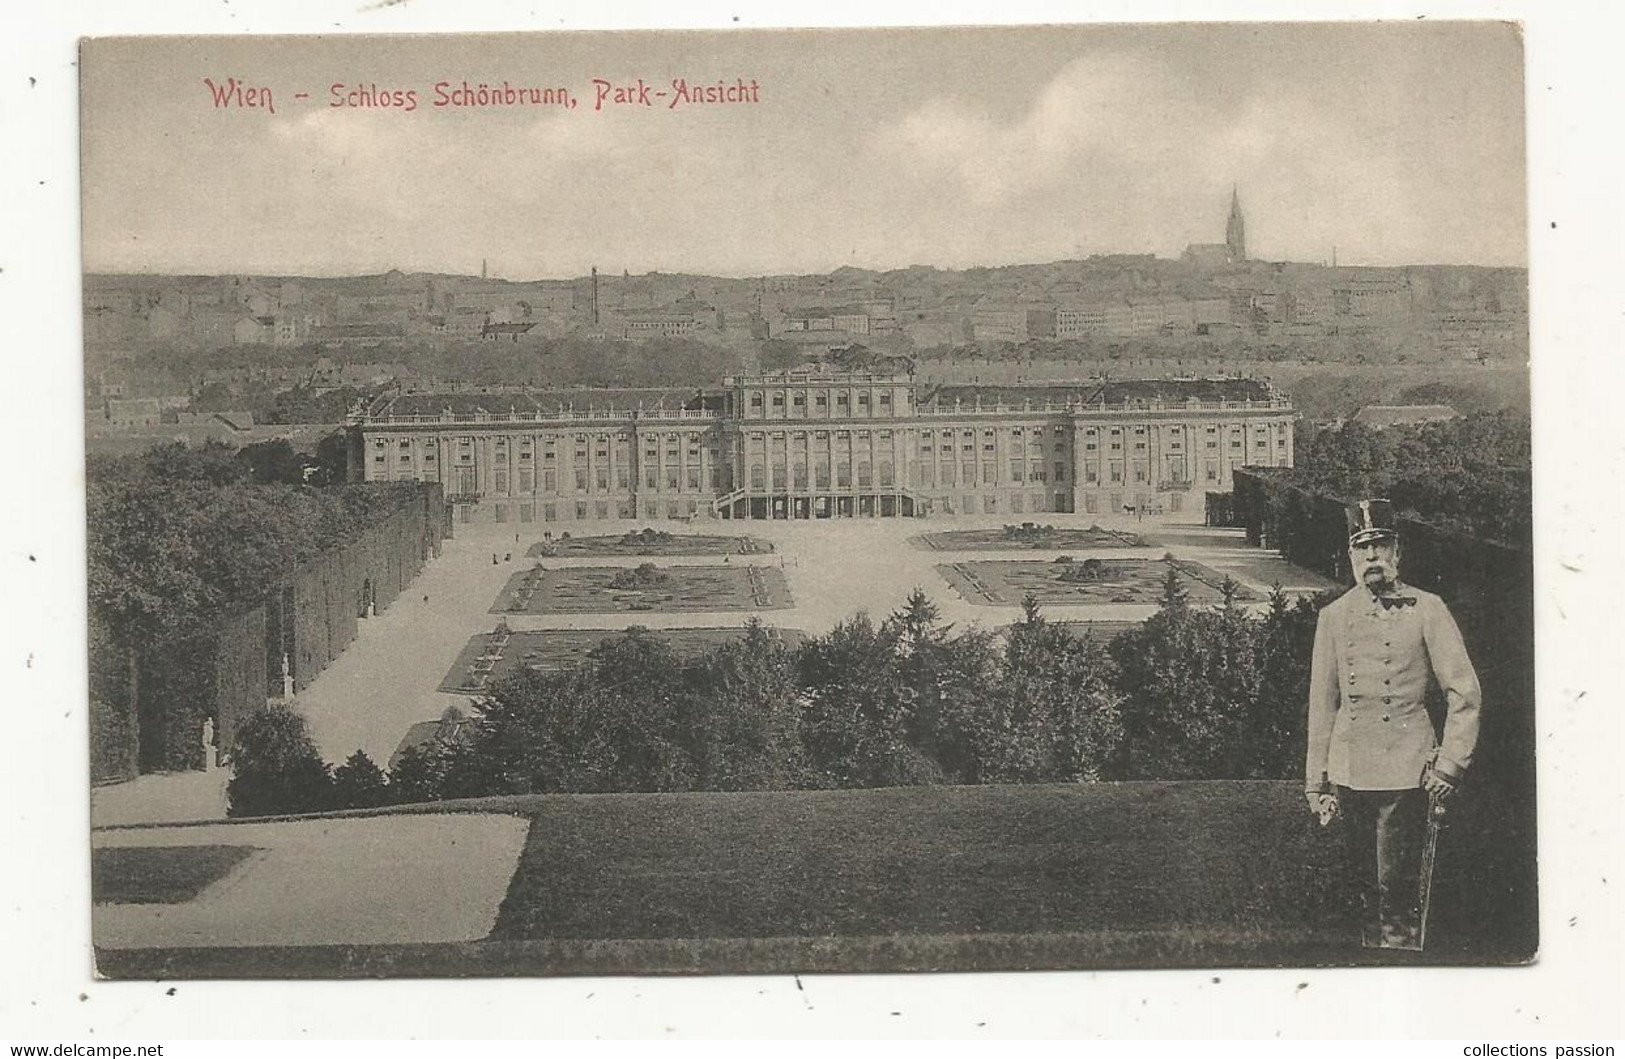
1395	143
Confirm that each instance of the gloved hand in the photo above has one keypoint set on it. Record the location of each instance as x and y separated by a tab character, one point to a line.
1324	806
1438	785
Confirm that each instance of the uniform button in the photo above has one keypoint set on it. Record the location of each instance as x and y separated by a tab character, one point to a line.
1386	700
1385	717
1385	680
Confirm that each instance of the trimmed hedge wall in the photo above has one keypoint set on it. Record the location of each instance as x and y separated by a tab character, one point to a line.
230	671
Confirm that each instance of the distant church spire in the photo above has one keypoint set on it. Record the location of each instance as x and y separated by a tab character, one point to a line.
1235	230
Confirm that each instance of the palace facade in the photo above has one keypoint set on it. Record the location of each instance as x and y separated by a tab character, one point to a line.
817	442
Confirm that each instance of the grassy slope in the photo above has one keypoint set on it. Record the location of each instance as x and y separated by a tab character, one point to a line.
1232	859
1197	874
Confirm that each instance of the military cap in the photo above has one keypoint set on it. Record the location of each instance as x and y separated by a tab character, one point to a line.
1371	520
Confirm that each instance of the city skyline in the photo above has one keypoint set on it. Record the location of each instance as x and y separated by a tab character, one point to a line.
972	148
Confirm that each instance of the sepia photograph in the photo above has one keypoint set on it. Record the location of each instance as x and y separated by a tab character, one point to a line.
768	502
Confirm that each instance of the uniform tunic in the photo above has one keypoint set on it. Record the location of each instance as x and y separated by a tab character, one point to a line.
1368	725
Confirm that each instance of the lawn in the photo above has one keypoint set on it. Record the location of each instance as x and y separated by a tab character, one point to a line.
649	542
151	875
491	656
1006	583
1037	537
1184	861
589	590
1190	874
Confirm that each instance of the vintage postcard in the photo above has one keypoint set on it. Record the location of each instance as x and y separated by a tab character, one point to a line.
1045	497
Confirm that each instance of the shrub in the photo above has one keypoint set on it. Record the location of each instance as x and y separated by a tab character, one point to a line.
276	767
644	575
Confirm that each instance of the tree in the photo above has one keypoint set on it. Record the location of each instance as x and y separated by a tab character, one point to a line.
276	767
1174	594
856	709
273	461
359	783
610	724
332	459
741	715
1054	716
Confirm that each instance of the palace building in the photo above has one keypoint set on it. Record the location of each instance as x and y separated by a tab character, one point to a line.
856	439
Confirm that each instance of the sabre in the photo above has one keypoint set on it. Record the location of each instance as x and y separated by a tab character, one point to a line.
1436	815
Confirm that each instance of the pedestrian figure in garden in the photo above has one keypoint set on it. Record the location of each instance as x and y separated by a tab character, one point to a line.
493	558
1374	759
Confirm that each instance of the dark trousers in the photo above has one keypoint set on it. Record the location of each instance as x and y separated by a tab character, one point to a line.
1385	832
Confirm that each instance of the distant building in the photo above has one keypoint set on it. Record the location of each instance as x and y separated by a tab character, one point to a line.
134	412
1096	318
1233	251
854	436
849	319
998	322
359	336
1235	230
643	324
1378	416
254	331
505	332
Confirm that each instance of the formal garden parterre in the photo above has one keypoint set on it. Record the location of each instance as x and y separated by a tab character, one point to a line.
647	587
490	657
1091	581
1028	535
647	542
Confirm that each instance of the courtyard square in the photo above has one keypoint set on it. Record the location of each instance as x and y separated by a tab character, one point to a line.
489	657
609	589
1095	581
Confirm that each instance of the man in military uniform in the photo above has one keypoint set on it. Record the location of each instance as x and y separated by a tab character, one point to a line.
1373	755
